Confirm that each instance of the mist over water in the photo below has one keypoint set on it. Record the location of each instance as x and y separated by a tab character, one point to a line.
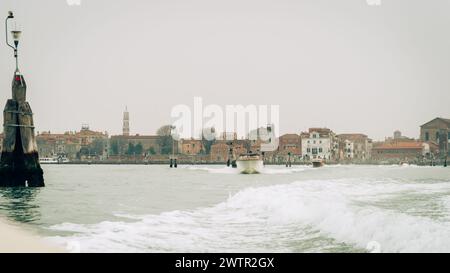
214	209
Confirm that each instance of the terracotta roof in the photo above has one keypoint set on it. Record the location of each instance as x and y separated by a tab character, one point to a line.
352	136
320	130
135	137
398	145
86	132
290	136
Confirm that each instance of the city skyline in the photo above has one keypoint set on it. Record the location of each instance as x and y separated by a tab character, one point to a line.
128	131
346	66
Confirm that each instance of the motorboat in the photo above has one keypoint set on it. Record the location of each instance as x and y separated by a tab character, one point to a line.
318	162
250	163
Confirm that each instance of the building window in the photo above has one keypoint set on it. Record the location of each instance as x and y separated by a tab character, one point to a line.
448	135
320	150
437	136
308	150
427	136
314	151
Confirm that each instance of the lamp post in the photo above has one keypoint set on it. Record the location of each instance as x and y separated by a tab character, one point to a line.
19	161
16	37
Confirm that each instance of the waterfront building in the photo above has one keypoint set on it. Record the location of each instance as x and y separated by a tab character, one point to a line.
403	151
53	145
289	143
89	137
263	139
220	149
319	143
438	132
354	147
85	144
191	147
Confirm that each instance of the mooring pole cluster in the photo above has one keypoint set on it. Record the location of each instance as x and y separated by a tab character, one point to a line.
173	159
19	163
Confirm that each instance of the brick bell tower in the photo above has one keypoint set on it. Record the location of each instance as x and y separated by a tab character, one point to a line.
126	123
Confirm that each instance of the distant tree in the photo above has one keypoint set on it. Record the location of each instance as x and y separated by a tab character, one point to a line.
165	130
138	149
131	148
114	147
97	146
152	151
165	140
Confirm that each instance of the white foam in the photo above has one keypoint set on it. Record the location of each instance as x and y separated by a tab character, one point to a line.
279	218
217	170
295	169
265	170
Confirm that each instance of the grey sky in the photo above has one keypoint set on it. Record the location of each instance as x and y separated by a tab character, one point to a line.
340	64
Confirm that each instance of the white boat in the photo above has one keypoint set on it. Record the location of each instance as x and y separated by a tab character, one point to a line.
250	163
53	160
317	162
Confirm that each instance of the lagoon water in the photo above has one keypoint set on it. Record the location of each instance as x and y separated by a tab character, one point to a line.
132	208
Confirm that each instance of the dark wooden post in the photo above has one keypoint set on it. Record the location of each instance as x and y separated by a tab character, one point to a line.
19	164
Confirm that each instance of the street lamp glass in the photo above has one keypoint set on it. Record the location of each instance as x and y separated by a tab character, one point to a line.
16	35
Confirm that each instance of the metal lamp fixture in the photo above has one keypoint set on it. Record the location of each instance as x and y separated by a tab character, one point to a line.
16	37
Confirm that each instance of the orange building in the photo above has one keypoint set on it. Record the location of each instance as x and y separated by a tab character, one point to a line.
400	150
50	145
191	147
220	149
354	147
290	143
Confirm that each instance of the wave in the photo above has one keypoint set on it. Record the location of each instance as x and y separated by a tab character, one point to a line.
265	170
307	216
217	170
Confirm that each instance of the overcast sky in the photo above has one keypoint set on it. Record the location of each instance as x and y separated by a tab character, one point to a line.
338	64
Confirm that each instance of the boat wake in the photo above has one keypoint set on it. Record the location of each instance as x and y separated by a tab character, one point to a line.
307	216
264	170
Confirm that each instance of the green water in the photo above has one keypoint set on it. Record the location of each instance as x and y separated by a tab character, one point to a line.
136	208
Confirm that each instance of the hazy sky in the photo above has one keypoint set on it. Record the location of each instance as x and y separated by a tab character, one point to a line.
340	64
